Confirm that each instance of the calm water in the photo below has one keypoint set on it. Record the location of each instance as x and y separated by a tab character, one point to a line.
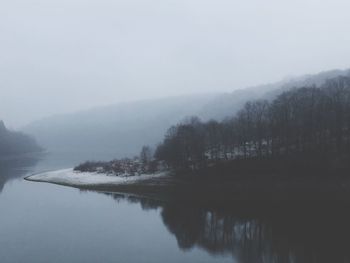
46	223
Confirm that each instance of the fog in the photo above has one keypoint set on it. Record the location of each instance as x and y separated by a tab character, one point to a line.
60	56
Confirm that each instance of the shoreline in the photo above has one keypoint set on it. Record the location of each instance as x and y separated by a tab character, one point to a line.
163	186
69	177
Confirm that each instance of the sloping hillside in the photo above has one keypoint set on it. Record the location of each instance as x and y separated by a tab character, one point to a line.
230	103
15	143
117	130
120	130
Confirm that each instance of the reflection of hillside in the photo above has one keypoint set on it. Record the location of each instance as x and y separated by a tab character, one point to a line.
258	234
281	235
15	168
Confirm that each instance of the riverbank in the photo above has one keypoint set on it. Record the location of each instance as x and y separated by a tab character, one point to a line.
163	186
69	177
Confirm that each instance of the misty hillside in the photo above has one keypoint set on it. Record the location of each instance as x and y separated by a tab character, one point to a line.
15	143
115	131
120	130
229	104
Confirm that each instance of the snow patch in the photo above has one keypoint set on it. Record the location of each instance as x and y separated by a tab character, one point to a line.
74	178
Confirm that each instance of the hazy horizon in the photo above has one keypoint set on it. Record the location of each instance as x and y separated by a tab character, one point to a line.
65	56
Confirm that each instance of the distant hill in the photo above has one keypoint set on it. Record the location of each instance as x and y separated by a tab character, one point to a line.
230	103
15	143
117	130
120	130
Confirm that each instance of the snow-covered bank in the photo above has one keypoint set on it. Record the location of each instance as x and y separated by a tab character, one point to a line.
73	178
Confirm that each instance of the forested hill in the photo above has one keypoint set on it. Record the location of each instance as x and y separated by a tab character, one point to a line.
228	104
120	130
16	143
307	126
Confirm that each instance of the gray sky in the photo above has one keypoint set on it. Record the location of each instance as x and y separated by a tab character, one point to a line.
64	55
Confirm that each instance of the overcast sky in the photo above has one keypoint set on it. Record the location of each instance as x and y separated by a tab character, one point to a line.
64	55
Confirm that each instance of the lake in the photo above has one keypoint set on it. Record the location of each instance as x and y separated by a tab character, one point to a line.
42	222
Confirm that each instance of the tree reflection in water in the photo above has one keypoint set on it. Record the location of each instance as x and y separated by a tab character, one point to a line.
260	233
15	168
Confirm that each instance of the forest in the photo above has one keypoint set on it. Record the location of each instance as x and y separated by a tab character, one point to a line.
16	143
306	126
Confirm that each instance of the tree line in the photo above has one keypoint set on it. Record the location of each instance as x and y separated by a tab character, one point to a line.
16	143
305	121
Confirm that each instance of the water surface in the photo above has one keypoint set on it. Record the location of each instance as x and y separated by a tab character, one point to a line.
47	223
